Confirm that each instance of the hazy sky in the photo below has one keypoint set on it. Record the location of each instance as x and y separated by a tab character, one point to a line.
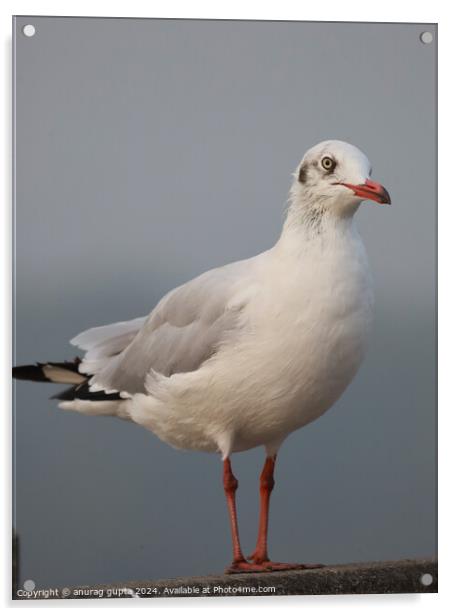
151	150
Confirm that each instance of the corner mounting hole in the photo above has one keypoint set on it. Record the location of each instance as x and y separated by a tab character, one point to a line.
426	579
28	30
426	38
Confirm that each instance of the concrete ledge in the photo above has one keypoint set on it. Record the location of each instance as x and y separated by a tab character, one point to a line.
403	576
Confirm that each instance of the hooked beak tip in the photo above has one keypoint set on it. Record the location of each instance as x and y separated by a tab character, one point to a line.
370	190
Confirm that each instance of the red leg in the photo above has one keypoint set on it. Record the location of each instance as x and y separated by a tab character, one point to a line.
260	554
239	564
267	483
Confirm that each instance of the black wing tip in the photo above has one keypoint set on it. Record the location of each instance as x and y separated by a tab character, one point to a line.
34	372
82	392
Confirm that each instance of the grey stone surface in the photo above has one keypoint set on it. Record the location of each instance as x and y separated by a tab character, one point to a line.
403	576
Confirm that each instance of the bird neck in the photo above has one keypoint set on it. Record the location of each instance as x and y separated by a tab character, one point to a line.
314	225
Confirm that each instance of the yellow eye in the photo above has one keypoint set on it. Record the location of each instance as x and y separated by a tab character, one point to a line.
328	163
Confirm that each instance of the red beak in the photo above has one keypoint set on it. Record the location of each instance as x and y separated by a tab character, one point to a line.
370	190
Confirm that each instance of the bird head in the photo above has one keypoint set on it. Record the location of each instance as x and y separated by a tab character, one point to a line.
335	177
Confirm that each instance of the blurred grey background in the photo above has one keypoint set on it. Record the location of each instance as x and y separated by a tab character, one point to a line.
151	150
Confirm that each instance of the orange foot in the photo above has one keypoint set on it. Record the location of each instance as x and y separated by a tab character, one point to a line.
242	566
267	565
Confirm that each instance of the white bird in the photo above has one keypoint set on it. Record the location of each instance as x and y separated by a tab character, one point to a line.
245	354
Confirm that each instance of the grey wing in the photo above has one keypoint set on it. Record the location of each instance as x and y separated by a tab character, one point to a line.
103	343
184	330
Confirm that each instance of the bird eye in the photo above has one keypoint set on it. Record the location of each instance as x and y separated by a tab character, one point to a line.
328	163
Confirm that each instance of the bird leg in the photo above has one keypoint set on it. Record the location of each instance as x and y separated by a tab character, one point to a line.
267	482
239	563
260	554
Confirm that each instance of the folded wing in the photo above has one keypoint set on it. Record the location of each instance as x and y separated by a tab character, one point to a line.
183	331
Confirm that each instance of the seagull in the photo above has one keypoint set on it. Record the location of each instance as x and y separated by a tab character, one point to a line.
245	354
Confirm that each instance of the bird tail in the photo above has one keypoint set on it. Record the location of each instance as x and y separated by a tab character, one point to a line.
51	372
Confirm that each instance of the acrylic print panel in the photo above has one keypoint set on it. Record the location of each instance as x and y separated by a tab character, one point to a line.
150	151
